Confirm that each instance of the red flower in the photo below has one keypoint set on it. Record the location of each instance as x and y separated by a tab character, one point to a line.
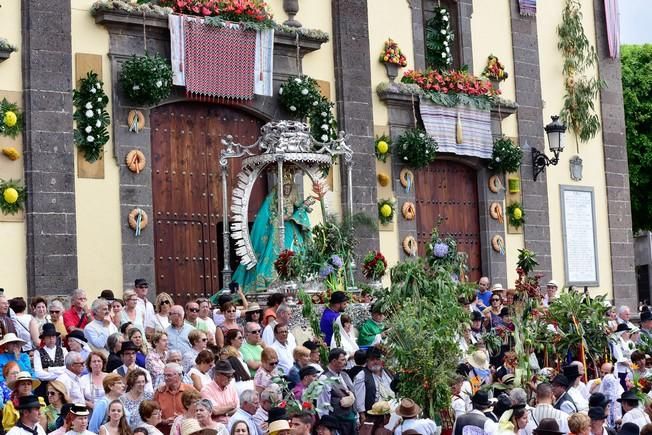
306	405
283	404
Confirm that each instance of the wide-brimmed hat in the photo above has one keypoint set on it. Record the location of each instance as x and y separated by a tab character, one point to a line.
628	395
223	367
128	345
497	287
107	295
623	327
253	307
49	330
547	426
59	387
330	422
338	297
596	413
11	338
561	380
24	376
408	409
77	334
552	283
629	429
79	409
478	359
28	402
598	400
380	408
191	426
481	399
277	426
571	372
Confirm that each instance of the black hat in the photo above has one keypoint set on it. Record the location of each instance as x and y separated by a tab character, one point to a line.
374	352
628	395
49	330
107	295
28	402
629	429
476	316
65	409
623	327
277	413
311	345
140	281
481	398
503	403
307	371
596	413
338	297
645	316
330	422
128	345
77	334
224	368
547	426
571	372
598	400
561	380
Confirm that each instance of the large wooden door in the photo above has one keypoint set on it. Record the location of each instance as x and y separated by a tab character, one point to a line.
449	190
187	193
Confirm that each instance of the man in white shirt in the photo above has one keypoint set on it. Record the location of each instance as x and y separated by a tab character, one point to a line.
248	406
632	413
128	355
141	287
573	375
551	292
284	344
475	420
408	411
29	409
71	377
623	316
283	313
98	330
49	360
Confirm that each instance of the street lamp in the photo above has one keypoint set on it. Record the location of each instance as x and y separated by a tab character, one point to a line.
555	132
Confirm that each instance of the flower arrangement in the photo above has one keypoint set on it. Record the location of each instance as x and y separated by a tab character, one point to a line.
146	80
230	10
416	148
383	147
439	37
287	265
441	251
330	272
393	54
494	70
506	156
515	214
91	116
13	196
374	266
386	211
11	119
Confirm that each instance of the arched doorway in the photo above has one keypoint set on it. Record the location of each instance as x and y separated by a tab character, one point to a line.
187	194
449	189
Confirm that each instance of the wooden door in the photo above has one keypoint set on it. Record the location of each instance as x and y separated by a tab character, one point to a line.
187	193
449	190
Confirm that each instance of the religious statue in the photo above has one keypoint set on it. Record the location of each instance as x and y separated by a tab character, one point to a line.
264	234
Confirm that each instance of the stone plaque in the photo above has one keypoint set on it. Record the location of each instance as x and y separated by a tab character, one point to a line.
579	236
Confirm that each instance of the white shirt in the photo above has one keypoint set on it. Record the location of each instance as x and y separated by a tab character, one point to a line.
636	416
50	373
92	393
96	332
146	307
161	322
424	426
123	370
580	402
284	352
242	415
459	406
73	385
20	431
268	333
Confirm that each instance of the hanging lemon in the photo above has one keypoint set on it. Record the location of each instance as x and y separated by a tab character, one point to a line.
10	118
382	147
518	213
386	210
10	195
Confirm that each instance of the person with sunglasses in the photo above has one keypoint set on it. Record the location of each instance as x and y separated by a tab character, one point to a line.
221	392
268	369
164	303
56	310
492	314
192	317
199	342
141	287
252	348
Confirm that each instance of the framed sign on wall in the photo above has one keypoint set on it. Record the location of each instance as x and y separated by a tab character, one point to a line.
579	236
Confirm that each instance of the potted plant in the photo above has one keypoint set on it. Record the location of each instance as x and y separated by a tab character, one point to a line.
494	71
392	58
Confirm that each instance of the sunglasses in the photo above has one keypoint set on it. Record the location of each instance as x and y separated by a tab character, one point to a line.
257	331
231	311
495	300
143	286
203	339
273	363
52	393
54	312
193	310
165	303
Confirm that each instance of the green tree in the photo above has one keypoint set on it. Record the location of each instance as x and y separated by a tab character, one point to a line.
637	92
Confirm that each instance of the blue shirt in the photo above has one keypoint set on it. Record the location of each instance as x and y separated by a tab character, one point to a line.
326	323
485	298
178	338
23	363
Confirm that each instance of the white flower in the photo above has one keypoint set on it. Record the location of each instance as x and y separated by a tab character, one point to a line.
443	31
422	136
97	85
497	159
324	137
324	127
135	87
88	129
427	151
442	11
98	111
89	114
324	114
405	158
98	123
99	99
297	80
315	103
280	90
93	90
90	138
293	109
446	43
444	55
159	83
89	105
445	18
304	91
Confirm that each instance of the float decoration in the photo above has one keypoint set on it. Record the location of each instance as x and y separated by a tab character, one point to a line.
410	246
135	161
91	116
494	70
506	156
383	179
146	80
498	244
11	119
12	198
495	185
409	210
386	211
406	177
138	220
439	38
496	212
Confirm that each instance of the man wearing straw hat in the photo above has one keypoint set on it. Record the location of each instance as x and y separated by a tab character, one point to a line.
409	412
29	408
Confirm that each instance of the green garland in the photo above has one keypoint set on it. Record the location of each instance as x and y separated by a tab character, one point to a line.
383	216
516	215
11	119
506	156
300	96
12	196
581	91
146	80
383	147
91	116
439	37
416	148
323	125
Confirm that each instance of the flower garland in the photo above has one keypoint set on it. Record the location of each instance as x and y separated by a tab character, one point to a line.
230	10
323	125
494	70
91	116
383	147
146	80
374	266
11	119
516	215
416	148
386	211
451	88
393	54
506	156
439	37
13	196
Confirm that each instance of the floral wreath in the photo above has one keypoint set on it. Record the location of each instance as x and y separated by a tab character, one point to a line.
146	80
383	147
416	148
506	156
91	116
386	211
11	119
516	215
12	196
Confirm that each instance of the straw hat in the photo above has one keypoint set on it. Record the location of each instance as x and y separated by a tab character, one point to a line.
11	338
59	387
253	307
191	426
380	408
478	359
277	426
24	376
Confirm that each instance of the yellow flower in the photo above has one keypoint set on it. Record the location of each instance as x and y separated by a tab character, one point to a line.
518	213
382	147
10	195
386	210
634	366
10	118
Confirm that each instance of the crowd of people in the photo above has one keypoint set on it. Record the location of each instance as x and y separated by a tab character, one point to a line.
225	365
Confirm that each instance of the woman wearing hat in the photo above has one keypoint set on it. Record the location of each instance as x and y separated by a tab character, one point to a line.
10	350
279	427
254	313
621	347
378	416
57	397
409	412
78	416
23	386
77	342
